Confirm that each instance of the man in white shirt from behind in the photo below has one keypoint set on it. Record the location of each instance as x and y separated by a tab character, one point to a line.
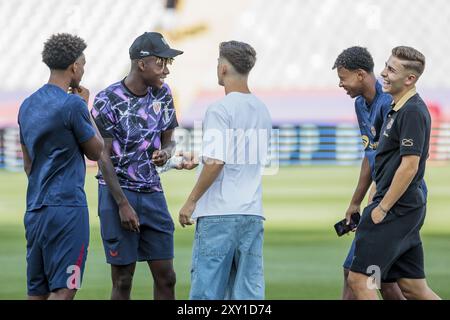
226	202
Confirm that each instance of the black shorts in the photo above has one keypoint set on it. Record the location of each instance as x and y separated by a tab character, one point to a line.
393	245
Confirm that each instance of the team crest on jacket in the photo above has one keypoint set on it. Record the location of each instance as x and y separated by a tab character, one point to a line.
390	123
157	106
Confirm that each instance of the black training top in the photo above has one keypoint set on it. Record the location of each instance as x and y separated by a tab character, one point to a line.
406	131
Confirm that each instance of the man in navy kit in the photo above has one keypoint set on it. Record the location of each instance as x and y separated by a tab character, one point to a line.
355	71
387	243
136	117
55	134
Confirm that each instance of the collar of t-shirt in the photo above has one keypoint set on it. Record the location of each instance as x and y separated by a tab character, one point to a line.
127	90
408	95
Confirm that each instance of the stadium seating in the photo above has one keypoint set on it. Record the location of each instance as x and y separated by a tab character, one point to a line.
297	43
105	25
299	40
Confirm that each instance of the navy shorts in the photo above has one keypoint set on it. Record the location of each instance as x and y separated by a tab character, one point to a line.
155	239
393	246
57	243
349	259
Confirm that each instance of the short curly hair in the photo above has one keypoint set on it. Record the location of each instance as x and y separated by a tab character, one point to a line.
355	58
61	50
241	55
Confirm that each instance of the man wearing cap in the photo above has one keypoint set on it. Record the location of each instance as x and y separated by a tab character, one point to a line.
136	117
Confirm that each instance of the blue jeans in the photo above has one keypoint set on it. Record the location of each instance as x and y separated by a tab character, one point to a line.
227	258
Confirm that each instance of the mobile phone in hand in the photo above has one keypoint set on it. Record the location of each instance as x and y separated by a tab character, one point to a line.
342	227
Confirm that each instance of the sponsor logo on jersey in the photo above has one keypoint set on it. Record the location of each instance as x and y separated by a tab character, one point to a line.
407	142
365	141
367	144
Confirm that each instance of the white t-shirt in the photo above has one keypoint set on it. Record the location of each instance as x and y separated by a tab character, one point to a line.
236	130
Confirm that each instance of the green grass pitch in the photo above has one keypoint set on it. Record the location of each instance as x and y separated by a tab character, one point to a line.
302	254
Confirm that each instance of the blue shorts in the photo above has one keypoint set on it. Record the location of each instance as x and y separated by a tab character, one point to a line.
348	261
227	258
155	239
57	243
